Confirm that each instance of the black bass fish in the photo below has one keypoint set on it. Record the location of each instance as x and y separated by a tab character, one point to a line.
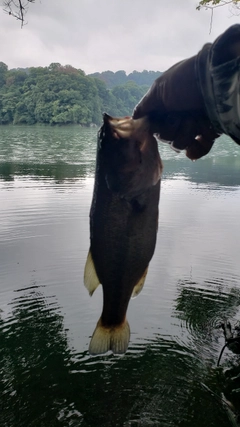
123	224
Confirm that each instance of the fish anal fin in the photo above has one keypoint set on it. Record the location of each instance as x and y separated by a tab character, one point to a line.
138	287
91	280
114	338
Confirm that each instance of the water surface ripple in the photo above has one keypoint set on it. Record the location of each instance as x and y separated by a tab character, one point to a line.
168	376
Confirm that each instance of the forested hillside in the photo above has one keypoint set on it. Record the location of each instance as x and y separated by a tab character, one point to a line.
62	95
120	77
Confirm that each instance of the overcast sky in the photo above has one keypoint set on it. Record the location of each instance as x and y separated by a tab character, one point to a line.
99	35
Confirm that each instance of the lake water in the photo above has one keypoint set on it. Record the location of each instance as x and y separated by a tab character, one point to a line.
168	376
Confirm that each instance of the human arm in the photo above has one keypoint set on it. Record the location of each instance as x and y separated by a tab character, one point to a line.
187	104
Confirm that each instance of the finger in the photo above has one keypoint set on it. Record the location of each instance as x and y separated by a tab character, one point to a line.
180	129
197	149
203	141
165	126
196	136
206	129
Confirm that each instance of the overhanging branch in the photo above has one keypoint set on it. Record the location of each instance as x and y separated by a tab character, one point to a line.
17	8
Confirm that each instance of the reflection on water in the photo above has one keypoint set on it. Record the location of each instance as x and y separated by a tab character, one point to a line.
43	382
168	376
34	358
204	307
69	152
57	153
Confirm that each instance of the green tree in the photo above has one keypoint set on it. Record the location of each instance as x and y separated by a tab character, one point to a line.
127	97
120	77
61	94
3	73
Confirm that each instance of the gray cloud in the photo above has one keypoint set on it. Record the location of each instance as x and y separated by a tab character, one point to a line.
98	35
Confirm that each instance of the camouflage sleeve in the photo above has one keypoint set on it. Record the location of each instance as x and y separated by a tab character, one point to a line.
219	81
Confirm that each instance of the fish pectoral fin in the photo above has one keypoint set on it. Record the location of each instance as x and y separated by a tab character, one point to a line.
91	280
114	338
138	287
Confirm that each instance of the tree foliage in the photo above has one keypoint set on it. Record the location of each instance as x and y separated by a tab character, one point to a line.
218	3
19	8
120	77
60	94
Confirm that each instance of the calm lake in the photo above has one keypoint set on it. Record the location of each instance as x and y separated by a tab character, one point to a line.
169	375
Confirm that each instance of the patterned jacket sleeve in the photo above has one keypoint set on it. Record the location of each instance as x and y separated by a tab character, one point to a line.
219	82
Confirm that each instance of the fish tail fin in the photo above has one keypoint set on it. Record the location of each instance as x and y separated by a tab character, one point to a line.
110	338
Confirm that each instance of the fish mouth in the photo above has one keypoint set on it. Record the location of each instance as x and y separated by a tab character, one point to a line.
125	127
120	127
115	121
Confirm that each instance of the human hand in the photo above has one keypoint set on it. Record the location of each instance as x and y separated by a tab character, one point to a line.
176	111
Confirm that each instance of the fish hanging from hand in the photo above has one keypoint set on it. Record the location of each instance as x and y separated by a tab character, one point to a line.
123	224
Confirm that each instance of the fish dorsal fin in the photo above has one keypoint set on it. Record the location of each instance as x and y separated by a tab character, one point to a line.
91	280
138	287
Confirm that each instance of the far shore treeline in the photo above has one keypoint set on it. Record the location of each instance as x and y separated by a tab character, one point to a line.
60	94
